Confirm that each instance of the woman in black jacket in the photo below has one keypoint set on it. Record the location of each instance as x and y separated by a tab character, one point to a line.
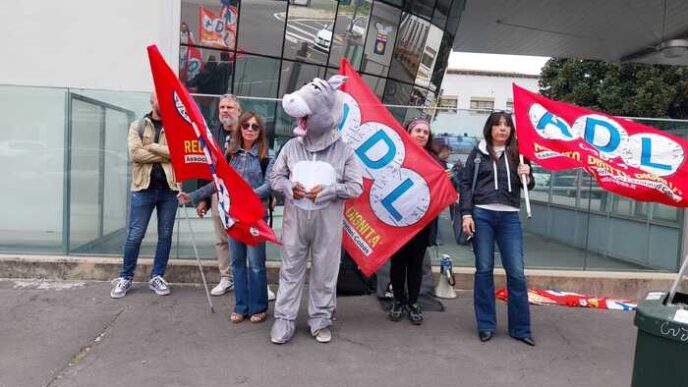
406	270
490	213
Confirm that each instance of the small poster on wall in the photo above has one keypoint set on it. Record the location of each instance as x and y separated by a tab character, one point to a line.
381	38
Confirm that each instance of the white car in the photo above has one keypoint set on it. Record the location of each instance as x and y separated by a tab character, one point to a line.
323	38
357	27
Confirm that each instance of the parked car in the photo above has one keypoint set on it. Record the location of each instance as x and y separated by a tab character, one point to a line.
323	39
300	2
357	27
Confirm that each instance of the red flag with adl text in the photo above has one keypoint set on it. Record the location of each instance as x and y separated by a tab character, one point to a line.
404	188
195	155
627	158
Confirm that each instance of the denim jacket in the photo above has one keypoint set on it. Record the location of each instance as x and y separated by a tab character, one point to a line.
247	164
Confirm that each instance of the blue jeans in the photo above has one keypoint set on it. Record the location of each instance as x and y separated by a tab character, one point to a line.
505	229
164	200
250	277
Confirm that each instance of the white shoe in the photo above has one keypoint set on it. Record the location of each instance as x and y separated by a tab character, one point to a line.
159	286
120	287
271	295
323	335
225	285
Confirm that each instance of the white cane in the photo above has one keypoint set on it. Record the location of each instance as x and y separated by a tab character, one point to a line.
524	181
198	259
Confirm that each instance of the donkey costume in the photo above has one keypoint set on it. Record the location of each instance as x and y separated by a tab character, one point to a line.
317	156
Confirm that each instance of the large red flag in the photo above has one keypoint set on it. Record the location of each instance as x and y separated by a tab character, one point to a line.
627	158
404	188
195	155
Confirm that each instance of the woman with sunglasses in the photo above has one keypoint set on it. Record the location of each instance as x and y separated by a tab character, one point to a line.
406	270
490	214
249	155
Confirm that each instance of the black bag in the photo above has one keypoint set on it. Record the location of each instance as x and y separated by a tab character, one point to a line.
457	221
351	282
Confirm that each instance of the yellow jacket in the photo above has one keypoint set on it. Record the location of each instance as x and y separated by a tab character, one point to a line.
143	160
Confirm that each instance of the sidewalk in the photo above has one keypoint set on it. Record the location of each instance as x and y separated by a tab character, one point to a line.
72	334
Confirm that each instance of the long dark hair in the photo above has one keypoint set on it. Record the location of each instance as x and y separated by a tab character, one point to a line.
511	146
238	140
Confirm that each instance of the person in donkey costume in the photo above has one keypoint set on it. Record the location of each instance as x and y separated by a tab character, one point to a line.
316	171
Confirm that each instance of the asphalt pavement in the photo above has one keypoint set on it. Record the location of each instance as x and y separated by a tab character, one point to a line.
72	334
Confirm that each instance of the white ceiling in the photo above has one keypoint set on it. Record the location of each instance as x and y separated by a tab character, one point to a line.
596	29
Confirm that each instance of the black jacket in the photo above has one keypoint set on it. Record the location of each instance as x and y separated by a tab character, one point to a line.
507	189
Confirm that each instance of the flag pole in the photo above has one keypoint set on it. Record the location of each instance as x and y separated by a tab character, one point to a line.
198	259
524	181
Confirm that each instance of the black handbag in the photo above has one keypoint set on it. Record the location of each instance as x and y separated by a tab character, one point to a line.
457	221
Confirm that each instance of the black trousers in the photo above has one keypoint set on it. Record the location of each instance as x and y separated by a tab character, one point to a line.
406	271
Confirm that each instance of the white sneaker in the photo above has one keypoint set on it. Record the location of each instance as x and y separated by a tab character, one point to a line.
159	286
271	295
324	335
225	285
120	287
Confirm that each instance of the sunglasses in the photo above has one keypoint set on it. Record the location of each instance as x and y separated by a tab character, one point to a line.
255	127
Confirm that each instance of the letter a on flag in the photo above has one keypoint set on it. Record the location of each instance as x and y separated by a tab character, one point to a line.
195	155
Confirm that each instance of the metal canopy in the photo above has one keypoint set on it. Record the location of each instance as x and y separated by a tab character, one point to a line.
613	30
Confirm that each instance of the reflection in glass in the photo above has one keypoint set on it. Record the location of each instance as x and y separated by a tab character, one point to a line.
439	17
565	187
543	179
350	32
429	57
261	26
256	76
413	33
380	39
454	15
423	8
376	84
309	32
295	75
212	74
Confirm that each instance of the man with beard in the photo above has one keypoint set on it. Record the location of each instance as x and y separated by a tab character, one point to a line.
229	112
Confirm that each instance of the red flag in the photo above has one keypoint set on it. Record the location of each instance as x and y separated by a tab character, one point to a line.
211	28
627	158
195	155
404	188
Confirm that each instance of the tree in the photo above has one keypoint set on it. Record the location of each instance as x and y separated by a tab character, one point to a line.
620	89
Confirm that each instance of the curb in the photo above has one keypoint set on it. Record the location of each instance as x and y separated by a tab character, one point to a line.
627	285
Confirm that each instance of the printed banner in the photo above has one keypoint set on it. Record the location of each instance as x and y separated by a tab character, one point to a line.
404	188
627	158
195	155
548	296
218	30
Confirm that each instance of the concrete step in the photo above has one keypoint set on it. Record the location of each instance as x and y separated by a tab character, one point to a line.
628	285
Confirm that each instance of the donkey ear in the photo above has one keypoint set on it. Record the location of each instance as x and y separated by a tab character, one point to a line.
336	81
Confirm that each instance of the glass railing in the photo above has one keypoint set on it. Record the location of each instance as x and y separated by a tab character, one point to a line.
64	155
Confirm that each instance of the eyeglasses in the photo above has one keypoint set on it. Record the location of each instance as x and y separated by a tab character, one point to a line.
255	127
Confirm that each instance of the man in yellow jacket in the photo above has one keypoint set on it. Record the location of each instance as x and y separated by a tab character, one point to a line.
153	186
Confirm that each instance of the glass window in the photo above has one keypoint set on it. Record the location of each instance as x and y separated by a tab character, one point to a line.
209	23
397	93
261	26
510	105
256	76
207	70
382	33
592	195
376	84
565	187
310	31
449	102
439	17
413	33
423	8
296	74
482	103
441	62
663	212
429	57
543	180
350	32
455	15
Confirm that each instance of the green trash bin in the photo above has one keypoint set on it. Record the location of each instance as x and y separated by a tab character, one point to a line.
661	349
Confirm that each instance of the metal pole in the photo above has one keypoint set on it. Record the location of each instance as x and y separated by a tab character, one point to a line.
524	181
198	259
